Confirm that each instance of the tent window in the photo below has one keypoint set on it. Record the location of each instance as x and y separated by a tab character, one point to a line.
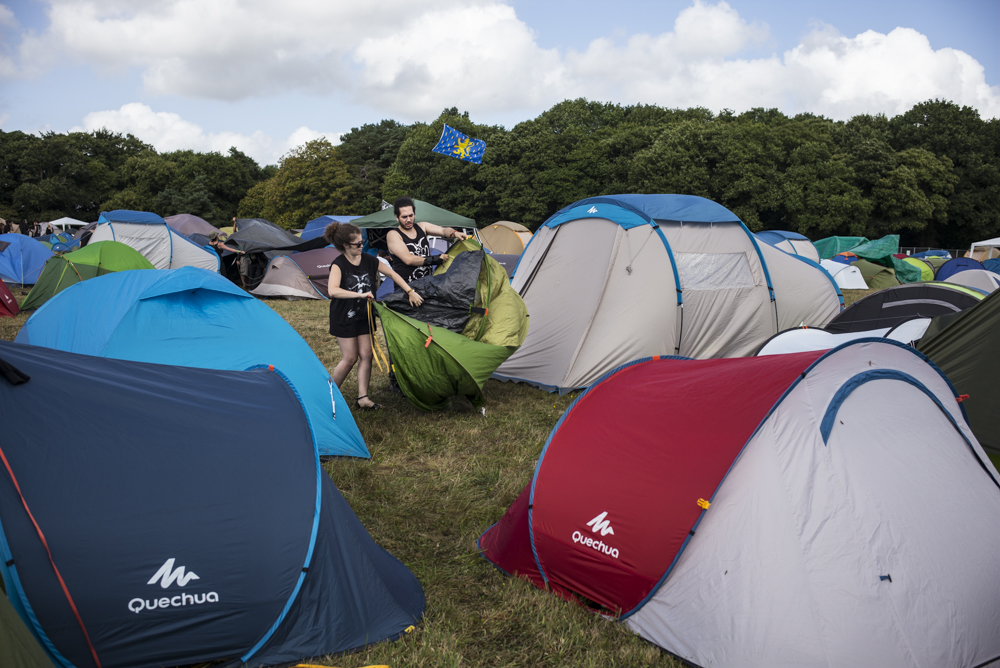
714	271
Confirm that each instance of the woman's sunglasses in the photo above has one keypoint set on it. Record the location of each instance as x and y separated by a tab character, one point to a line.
360	244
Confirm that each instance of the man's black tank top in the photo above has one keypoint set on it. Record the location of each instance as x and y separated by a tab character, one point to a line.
420	247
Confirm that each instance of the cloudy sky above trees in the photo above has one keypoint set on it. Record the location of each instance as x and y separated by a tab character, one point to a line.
268	75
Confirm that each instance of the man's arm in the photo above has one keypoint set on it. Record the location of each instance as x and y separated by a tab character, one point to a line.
394	240
445	232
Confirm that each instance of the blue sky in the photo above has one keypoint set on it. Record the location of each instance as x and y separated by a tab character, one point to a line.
268	75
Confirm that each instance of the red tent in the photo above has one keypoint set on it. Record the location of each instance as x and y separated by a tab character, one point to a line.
8	305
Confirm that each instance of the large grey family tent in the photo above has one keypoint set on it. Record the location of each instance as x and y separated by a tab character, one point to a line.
8	304
966	347
299	275
22	258
831	246
471	321
811	509
505	237
193	317
376	225
97	259
790	242
847	276
175	515
612	279
315	227
804	339
889	307
980	279
154	239
187	224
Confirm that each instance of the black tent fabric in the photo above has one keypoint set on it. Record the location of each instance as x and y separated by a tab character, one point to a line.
257	234
892	306
447	296
967	349
180	538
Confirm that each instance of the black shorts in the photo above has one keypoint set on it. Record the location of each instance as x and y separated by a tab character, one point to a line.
351	330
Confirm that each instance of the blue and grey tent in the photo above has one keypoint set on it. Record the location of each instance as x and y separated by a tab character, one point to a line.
792	243
954	266
193	317
22	258
150	234
140	529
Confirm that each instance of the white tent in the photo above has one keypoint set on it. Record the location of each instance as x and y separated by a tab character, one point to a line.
612	279
984	250
154	239
802	339
981	279
66	223
792	243
848	276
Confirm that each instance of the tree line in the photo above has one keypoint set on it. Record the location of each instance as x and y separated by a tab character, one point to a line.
931	174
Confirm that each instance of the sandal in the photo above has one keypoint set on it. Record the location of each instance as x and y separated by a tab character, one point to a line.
373	407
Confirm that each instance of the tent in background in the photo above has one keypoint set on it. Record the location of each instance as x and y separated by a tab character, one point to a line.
956	265
192	317
505	237
737	512
188	515
66	224
876	276
612	279
299	275
933	253
790	242
21	258
964	346
187	224
883	251
154	239
8	304
257	234
97	259
374	226
18	648
985	250
980	279
848	277
805	339
926	268
891	306
831	246
315	227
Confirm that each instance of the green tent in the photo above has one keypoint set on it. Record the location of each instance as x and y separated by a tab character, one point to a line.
964	346
831	246
425	213
926	268
488	322
876	276
96	259
17	646
936	262
882	251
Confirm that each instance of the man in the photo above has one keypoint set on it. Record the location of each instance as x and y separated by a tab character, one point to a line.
409	249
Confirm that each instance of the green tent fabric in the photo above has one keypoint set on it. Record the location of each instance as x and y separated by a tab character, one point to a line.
926	269
876	276
432	363
936	262
18	648
882	251
425	213
965	349
831	246
96	259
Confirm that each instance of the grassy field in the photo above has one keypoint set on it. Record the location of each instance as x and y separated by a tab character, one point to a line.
434	483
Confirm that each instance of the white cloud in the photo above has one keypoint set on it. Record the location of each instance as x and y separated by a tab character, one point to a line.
167	131
412	58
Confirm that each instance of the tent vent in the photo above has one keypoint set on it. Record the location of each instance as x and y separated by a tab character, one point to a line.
9	563
883	578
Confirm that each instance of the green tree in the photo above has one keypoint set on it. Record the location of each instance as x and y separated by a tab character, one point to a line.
369	152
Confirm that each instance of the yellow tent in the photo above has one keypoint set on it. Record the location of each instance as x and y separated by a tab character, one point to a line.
505	237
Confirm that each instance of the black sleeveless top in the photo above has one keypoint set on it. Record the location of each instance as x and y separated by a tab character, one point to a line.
418	246
349	317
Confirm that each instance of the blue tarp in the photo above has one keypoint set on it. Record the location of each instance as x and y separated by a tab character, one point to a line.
315	227
193	317
933	253
22	258
992	265
187	513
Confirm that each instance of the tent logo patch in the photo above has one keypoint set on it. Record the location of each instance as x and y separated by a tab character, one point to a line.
166	576
602	524
592	209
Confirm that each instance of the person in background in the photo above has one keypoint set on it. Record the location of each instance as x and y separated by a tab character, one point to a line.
226	265
352	285
410	252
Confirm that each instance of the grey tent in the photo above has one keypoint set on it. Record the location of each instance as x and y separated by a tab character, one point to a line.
299	275
188	224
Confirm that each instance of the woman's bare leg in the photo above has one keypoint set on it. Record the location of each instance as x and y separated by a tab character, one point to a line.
348	356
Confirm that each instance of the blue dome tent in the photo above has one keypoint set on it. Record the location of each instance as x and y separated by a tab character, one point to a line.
22	258
315	227
193	317
142	531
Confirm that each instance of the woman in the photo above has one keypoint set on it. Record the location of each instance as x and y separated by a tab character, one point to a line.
352	285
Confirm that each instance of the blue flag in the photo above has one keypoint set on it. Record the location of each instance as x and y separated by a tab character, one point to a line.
457	145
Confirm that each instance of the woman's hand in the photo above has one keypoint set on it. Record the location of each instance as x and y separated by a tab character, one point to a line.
415	299
369	296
